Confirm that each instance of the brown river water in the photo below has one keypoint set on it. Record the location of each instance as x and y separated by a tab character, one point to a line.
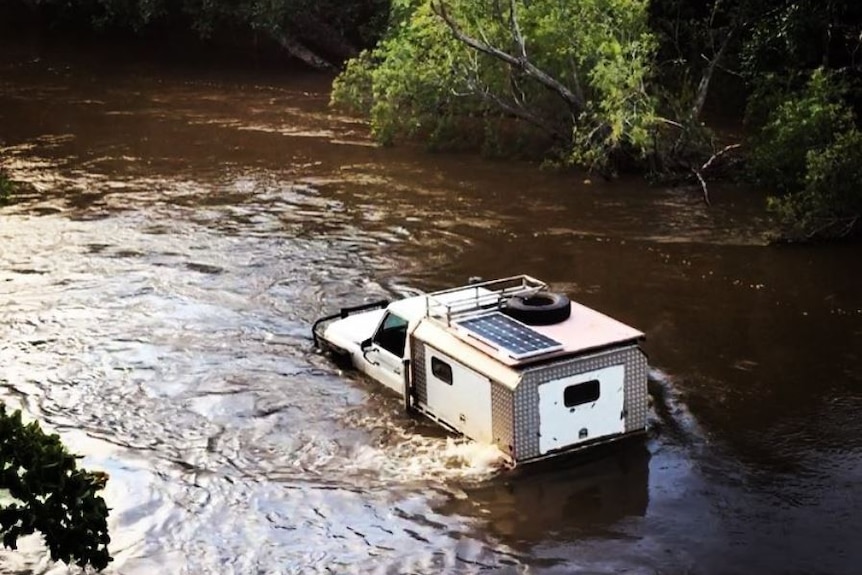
189	224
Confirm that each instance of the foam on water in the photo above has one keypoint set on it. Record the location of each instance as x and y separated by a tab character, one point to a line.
420	458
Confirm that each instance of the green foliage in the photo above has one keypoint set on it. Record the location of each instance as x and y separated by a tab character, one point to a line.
788	36
830	204
422	80
805	122
809	156
51	495
6	188
352	89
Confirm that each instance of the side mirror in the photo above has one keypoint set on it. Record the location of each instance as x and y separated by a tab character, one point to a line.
365	346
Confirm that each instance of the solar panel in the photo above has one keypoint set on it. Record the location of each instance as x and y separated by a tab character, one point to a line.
503	333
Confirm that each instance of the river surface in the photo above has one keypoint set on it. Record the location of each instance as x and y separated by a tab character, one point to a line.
189	224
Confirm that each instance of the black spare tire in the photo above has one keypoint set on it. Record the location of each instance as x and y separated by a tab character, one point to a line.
544	308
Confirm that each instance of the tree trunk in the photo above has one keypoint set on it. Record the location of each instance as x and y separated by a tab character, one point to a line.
303	54
325	38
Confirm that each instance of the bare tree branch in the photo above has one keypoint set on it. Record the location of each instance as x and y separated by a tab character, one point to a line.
706	78
516	30
301	52
516	108
697	173
717	155
576	81
575	104
521	112
847	225
669	122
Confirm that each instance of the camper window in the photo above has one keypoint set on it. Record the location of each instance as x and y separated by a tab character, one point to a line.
581	393
392	334
441	370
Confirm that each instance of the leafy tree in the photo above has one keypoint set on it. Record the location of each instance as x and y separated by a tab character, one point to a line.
788	36
830	203
767	44
809	156
575	71
797	63
803	122
50	495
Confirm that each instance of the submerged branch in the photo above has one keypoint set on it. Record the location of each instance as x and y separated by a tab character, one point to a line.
703	187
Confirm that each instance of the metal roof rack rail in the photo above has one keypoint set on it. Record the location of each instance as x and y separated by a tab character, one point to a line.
479	296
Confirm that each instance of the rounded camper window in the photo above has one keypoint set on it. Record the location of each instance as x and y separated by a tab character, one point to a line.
581	393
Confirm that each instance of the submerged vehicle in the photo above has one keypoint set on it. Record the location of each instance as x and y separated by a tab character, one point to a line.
506	362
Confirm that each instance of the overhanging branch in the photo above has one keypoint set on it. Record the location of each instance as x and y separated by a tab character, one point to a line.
520	62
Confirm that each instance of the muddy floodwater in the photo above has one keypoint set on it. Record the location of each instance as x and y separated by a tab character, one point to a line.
188	225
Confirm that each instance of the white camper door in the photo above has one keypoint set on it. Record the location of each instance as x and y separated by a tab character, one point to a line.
458	396
581	408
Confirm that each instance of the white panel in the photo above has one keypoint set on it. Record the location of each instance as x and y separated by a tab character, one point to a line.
382	366
465	404
561	426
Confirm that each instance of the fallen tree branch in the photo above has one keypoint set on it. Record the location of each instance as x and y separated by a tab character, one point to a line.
698	172
302	53
717	155
841	226
323	37
703	187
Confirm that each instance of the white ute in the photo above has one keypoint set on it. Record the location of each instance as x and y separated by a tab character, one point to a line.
505	362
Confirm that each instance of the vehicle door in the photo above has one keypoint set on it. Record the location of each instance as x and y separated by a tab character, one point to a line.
384	352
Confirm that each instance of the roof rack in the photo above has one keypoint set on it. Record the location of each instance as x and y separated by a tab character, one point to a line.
479	296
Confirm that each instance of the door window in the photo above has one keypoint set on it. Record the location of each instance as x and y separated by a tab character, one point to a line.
392	334
441	370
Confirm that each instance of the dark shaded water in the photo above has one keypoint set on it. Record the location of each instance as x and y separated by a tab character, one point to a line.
189	225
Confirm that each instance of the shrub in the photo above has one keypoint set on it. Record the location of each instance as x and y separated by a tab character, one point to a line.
51	495
830	205
803	123
460	71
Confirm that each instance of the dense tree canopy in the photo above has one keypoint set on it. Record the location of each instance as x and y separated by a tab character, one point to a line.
613	81
575	71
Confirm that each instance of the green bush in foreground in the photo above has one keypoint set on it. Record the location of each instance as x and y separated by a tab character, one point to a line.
42	489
